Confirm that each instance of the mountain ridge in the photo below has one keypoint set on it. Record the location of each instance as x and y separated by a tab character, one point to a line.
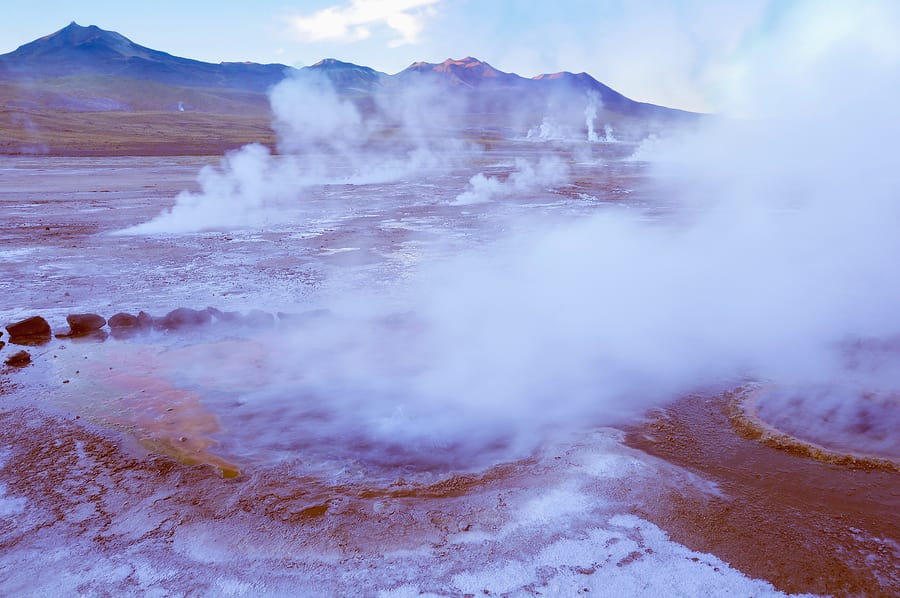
88	91
77	50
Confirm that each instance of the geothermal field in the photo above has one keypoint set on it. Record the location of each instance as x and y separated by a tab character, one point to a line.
403	354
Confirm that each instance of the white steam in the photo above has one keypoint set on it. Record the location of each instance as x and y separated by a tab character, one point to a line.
245	190
779	247
780	251
548	130
608	136
590	115
552	129
308	113
322	138
526	180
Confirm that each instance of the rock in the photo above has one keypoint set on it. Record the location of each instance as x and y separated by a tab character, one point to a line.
19	360
123	320
145	319
224	316
2	344
33	326
183	317
32	331
123	325
94	336
82	324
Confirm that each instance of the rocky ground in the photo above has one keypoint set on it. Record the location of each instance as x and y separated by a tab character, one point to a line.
157	439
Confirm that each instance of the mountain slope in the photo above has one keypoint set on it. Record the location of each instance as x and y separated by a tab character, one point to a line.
48	88
467	73
77	50
87	52
345	76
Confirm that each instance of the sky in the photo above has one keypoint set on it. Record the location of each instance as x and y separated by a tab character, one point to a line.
690	54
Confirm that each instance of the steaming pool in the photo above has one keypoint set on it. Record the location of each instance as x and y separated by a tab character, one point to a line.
342	447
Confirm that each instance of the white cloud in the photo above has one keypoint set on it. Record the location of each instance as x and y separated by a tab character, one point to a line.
354	21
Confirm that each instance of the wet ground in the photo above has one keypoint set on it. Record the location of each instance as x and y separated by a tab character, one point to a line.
804	523
209	461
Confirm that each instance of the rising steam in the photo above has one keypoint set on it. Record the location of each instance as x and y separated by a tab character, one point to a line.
778	252
322	138
526	180
590	115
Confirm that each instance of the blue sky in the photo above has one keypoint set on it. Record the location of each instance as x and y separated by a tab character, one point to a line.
683	53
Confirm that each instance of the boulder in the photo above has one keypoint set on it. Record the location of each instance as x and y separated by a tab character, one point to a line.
19	360
2	344
145	320
33	326
82	324
224	316
123	325
123	320
31	331
183	317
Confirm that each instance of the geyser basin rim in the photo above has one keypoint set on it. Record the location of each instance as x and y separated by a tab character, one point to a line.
746	419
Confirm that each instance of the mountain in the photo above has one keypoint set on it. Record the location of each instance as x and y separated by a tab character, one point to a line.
76	50
468	73
488	86
93	57
612	100
153	102
345	76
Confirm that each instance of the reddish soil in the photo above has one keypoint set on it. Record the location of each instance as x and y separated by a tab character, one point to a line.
803	524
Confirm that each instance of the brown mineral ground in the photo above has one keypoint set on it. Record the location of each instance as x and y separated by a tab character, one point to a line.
806	525
747	421
123	389
113	453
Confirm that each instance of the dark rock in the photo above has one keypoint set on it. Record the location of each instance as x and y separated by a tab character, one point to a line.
82	324
224	316
19	360
33	331
2	344
33	326
94	336
124	325
123	320
30	341
145	319
183	317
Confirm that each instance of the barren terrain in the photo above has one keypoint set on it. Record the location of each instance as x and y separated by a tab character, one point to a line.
262	455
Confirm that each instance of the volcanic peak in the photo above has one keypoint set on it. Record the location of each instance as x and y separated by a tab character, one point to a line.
90	38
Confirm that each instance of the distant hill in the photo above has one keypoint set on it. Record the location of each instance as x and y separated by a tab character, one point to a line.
467	73
79	70
477	78
348	77
77	50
